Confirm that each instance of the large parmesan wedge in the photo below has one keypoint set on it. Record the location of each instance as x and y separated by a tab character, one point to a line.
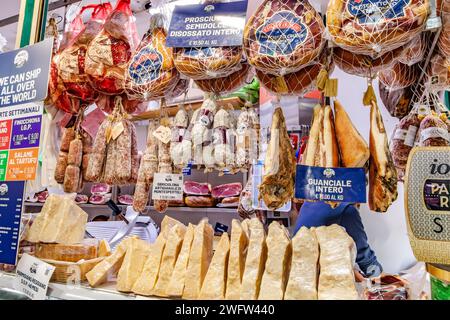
110	265
302	283
199	259
146	281
135	257
167	223
236	265
279	251
254	263
60	221
336	279
169	258
178	278
213	287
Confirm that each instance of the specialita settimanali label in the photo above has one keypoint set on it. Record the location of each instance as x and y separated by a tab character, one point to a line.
330	184
167	186
207	25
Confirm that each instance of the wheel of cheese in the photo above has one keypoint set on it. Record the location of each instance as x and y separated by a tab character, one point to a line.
283	36
414	51
374	27
226	84
399	76
207	63
439	73
364	65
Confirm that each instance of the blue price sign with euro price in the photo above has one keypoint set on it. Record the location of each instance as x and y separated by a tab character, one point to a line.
207	25
330	184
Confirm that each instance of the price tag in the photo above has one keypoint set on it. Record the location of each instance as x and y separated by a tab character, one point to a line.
32	277
117	130
163	134
167	186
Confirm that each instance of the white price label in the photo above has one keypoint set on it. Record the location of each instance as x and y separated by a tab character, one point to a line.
167	186
32	277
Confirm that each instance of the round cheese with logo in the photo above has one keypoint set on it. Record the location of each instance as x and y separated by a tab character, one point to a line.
373	27
151	72
207	63
283	36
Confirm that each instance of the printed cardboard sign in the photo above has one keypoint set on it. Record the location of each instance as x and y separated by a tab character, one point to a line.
207	25
167	186
32	277
330	184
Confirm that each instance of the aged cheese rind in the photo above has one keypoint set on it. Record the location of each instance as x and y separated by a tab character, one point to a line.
169	258
178	278
135	257
199	259
146	281
277	267
109	265
336	279
214	285
302	283
255	261
60	221
236	265
86	250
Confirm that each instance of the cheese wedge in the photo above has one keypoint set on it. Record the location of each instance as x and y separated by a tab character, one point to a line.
336	279
135	257
169	258
213	287
279	252
199	259
104	249
236	265
167	223
178	278
60	221
254	263
146	281
302	283
110	265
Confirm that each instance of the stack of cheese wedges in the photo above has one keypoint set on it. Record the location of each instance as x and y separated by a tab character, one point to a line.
58	231
247	265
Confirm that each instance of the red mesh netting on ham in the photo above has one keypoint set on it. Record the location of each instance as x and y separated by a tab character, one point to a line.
283	36
57	91
72	59
364	65
151	72
108	53
374	27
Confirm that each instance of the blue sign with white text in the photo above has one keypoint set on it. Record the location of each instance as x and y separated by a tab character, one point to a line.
24	74
330	184
207	25
11	197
